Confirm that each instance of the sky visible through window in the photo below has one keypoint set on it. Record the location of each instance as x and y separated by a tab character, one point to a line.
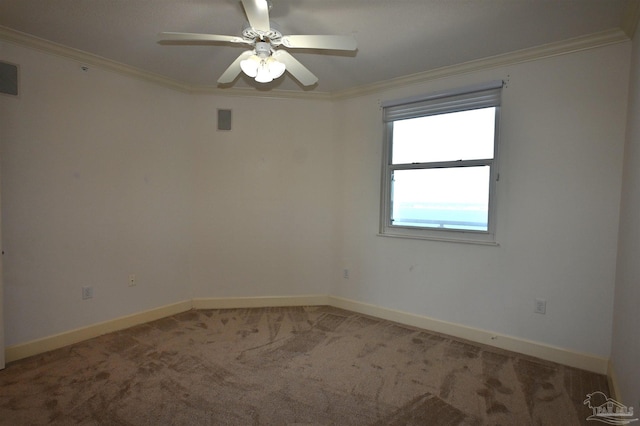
451	197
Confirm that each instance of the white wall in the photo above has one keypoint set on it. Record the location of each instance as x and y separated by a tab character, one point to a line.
93	189
105	175
266	198
562	139
625	351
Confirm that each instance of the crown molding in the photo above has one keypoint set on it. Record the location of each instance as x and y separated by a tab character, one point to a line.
36	43
256	93
591	41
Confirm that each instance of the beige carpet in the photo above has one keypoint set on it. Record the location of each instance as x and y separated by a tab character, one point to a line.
289	366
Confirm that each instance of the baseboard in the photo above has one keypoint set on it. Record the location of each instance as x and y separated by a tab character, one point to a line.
523	346
38	346
613	383
259	302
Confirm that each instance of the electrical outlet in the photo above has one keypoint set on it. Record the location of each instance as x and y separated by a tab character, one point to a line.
541	306
87	293
132	280
345	274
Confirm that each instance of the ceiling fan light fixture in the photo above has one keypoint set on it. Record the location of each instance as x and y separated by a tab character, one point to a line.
264	76
263	69
276	67
250	66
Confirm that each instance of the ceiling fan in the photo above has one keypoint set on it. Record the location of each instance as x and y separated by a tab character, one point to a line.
265	61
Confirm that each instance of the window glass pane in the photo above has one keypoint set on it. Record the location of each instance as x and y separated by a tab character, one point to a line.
450	198
464	135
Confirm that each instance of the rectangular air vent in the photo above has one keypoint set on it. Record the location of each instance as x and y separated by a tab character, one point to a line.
224	119
8	78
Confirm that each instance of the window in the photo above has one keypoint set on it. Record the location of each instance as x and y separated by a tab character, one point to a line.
439	165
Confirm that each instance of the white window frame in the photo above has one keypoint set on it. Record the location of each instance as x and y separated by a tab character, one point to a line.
481	96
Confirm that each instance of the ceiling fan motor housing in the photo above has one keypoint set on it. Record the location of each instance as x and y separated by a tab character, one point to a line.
263	49
273	35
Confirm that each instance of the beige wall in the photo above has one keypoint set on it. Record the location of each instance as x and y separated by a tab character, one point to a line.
560	165
625	351
95	187
265	198
107	175
104	175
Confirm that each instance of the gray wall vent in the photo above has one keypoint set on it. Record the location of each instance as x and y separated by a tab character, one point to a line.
8	78
224	119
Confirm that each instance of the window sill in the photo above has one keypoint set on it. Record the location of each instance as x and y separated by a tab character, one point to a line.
443	239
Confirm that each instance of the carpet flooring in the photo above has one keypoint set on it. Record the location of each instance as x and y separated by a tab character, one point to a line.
289	366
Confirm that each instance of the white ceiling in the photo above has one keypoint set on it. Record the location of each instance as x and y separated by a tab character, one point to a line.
395	38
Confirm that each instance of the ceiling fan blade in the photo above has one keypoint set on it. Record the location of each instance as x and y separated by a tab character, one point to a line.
331	42
258	14
234	69
200	38
295	68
